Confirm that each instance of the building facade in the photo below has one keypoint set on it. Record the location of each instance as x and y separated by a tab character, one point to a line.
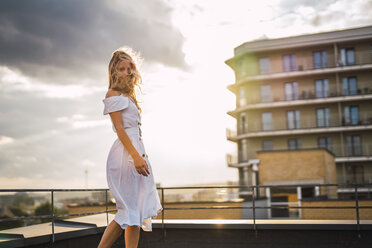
304	92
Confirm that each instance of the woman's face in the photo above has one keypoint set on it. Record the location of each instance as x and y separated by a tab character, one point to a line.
124	69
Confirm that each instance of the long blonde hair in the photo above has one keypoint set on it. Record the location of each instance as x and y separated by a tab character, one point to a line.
126	85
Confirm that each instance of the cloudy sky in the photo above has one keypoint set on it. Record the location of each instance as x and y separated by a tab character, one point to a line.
53	77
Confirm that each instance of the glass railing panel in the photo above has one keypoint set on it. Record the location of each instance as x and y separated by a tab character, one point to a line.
188	203
24	204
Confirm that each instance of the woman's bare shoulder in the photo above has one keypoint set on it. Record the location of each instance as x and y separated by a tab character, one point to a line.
112	92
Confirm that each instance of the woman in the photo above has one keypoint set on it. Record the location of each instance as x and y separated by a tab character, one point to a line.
128	170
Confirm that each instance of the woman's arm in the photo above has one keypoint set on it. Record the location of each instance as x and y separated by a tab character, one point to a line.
140	164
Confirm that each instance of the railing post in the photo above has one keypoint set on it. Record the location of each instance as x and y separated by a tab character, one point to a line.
299	197
254	209
162	214
53	237
106	207
268	196
357	209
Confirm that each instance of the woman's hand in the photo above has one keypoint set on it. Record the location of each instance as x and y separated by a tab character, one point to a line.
141	166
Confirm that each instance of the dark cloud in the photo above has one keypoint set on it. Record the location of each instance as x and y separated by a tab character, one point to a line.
63	40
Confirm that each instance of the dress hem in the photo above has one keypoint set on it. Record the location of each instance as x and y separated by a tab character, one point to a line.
140	225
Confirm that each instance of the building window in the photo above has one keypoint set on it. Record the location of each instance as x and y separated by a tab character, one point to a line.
347	56
266	121
264	65
349	85
353	145
267	145
354	174
291	91
321	88
323	117
265	93
242	101
289	62
320	59
325	142
242	123
351	115
294	144
293	119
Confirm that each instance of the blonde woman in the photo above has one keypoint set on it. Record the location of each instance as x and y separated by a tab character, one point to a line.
128	170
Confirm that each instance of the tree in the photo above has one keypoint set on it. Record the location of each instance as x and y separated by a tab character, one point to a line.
46	209
17	211
21	200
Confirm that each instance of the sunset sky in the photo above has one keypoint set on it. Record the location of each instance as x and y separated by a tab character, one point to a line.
53	77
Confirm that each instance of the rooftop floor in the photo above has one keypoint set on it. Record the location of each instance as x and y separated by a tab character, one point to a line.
94	225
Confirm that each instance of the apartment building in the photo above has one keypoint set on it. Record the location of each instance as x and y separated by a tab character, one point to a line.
305	92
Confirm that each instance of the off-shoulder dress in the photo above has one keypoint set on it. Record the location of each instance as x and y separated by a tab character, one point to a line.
136	196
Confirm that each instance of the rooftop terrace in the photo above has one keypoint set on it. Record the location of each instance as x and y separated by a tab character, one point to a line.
85	230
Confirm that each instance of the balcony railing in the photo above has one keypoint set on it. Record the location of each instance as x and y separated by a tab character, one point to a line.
230	133
306	64
231	159
306	95
303	124
255	193
234	160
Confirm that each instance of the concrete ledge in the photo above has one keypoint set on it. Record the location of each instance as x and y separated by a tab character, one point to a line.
29	236
266	224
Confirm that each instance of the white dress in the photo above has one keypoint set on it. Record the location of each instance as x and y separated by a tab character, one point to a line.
136	196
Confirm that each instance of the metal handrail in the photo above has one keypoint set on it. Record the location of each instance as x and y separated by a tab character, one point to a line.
253	188
200	187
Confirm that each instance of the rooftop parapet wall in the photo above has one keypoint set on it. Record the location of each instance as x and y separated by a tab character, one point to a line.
338	36
327	40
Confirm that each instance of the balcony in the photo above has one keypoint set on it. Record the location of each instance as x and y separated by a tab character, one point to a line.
305	67
230	133
362	153
233	161
306	125
305	98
